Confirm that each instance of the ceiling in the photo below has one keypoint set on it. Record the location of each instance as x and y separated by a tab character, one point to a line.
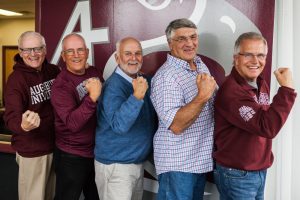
26	7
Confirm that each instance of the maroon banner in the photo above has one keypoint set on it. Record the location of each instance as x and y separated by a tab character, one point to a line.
103	23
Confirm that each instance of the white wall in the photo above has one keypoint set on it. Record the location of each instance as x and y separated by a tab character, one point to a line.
295	190
282	182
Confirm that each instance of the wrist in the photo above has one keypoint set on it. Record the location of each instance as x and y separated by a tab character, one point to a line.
138	97
24	129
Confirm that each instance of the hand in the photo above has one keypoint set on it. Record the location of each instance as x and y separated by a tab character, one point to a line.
284	77
140	86
93	87
206	85
30	120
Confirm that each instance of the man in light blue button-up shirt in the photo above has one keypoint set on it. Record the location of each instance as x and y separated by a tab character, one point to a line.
183	94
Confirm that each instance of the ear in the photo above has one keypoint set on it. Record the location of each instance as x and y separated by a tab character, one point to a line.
117	58
20	53
87	52
170	44
235	60
63	56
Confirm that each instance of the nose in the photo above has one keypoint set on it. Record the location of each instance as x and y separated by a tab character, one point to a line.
254	59
32	52
76	53
133	57
189	41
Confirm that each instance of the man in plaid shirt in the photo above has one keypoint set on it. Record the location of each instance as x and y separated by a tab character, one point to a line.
183	93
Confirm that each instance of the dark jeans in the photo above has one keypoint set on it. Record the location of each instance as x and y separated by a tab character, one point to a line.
181	186
74	174
234	184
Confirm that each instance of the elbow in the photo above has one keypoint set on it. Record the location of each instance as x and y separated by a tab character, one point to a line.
270	135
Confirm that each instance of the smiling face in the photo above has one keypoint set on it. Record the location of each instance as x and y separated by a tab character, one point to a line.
184	44
251	59
130	56
31	57
75	54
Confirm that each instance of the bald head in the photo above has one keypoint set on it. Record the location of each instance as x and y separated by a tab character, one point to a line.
126	40
129	55
70	37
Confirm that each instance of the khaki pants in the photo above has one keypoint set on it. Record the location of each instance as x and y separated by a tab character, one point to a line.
119	181
36	177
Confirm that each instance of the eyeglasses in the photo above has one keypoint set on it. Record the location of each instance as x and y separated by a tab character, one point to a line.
130	54
250	56
71	52
183	39
29	50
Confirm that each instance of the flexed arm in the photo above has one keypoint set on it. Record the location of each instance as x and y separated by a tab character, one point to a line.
187	114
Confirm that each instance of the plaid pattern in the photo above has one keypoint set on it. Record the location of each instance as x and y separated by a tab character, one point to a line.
173	86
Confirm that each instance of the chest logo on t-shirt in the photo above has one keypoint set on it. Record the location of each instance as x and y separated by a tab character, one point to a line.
81	90
40	92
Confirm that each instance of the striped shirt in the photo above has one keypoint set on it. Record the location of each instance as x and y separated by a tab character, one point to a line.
174	86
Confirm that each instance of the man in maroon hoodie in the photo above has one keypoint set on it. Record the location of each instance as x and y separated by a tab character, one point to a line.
245	121
28	114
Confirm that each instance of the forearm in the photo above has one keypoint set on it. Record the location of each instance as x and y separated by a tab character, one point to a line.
186	116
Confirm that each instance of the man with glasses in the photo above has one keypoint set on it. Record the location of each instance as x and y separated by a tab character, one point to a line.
182	92
246	122
29	115
74	97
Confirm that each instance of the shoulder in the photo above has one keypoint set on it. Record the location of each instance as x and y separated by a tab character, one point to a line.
231	89
61	80
166	73
94	72
16	81
115	81
51	69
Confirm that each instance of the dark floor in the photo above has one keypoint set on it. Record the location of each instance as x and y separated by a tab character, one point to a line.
8	177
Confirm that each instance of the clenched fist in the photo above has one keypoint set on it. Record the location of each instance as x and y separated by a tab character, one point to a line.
140	86
284	77
206	85
93	87
30	120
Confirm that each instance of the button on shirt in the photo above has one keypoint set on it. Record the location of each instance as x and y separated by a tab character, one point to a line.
174	86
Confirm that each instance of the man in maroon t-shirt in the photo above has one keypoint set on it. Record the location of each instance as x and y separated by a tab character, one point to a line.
245	121
74	97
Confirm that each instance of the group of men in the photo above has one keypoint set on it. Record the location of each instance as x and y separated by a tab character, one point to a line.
105	131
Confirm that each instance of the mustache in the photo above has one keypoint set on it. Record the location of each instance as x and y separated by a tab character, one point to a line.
133	63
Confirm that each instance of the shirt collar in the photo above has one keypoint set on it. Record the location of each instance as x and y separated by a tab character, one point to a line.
123	74
242	81
184	64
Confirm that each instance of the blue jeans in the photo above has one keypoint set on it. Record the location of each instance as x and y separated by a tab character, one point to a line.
234	184
181	186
